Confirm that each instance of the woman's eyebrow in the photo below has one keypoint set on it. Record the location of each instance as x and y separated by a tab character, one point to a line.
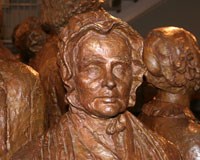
123	59
92	59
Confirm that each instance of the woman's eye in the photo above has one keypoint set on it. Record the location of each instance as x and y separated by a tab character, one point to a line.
93	71
119	70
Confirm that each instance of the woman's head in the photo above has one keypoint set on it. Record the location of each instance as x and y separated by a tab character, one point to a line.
172	57
83	27
29	37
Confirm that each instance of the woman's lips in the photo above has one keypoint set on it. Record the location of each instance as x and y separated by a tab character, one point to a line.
108	99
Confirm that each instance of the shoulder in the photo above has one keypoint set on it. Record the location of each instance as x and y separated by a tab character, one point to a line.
15	71
151	144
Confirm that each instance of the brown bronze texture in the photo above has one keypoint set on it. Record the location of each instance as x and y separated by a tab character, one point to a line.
172	57
39	50
29	38
47	67
22	106
42	55
100	61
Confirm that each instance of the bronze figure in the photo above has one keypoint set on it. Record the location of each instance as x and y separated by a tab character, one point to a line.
100	61
172	57
29	38
22	106
39	50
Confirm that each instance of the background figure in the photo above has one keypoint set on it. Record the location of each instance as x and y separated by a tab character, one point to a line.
100	61
39	50
29	38
22	106
172	58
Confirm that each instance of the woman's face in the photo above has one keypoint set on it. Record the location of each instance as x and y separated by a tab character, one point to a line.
103	74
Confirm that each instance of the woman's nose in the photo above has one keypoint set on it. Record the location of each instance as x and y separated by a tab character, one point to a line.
109	81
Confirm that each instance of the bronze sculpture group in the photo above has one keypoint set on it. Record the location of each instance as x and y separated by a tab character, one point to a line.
101	61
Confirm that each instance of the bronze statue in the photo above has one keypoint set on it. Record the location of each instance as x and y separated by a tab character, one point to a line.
39	50
22	106
172	57
100	61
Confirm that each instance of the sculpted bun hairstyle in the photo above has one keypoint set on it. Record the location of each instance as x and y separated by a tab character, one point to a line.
172	58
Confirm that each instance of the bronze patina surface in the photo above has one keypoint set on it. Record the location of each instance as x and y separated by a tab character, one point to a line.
39	39
100	61
22	106
172	57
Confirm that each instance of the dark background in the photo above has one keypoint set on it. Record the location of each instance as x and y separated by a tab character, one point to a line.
180	13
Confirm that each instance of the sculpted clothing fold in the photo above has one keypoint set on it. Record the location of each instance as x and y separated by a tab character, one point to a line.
22	106
177	124
45	62
124	139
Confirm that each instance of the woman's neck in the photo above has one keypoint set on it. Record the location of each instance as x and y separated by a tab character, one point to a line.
97	124
183	100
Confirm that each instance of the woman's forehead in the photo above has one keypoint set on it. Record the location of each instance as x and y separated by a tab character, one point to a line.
108	46
100	42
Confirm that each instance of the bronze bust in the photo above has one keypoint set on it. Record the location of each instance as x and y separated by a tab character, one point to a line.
100	61
172	57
